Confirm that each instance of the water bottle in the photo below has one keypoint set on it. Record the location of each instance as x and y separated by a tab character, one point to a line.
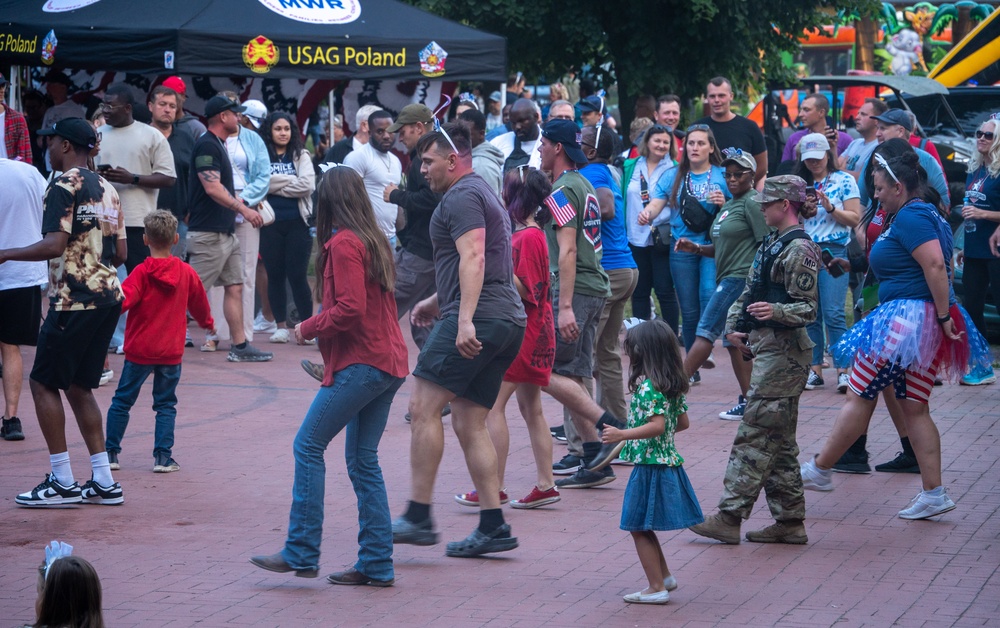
970	223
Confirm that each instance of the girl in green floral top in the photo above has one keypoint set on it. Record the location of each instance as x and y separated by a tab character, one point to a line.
659	495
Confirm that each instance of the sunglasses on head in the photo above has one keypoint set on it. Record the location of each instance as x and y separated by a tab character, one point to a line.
698	127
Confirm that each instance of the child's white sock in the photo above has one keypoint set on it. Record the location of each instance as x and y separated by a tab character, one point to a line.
102	469
61	468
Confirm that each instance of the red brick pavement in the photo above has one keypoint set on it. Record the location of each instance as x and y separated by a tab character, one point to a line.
175	554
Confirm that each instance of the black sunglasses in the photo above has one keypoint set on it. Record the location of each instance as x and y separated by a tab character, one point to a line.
989	135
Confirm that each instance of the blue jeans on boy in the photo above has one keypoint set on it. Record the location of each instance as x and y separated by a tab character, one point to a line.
832	292
694	281
165	378
359	400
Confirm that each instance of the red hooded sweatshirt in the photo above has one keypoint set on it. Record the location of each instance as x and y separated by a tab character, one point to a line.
158	293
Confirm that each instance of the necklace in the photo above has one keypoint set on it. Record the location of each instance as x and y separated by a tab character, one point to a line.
385	159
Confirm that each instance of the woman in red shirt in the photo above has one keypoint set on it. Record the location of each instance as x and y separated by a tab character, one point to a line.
524	190
365	362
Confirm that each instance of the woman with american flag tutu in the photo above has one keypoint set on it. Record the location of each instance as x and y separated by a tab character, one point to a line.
918	333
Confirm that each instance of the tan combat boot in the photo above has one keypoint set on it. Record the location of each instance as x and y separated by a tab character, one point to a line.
721	526
790	532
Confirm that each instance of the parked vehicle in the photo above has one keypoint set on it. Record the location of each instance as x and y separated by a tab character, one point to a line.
991	314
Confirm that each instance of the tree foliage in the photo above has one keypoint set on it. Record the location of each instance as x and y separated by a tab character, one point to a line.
651	46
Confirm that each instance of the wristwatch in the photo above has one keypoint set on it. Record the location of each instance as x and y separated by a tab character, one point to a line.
135	179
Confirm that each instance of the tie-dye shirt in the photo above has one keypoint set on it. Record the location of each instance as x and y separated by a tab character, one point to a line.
86	207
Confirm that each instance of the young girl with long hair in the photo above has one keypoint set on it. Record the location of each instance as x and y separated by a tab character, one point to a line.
524	191
364	359
69	594
659	495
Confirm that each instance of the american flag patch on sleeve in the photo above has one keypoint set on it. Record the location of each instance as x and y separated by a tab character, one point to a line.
562	210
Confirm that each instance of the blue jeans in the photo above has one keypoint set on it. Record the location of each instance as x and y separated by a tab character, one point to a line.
165	378
713	317
359	400
830	310
694	281
119	338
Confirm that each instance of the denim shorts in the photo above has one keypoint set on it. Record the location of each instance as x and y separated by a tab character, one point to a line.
713	318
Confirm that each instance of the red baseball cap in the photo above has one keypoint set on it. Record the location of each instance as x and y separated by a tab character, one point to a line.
176	83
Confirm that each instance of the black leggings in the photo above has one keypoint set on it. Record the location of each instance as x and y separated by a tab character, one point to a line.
285	247
978	275
654	274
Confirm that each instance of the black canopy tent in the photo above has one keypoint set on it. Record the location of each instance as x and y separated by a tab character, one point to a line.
322	39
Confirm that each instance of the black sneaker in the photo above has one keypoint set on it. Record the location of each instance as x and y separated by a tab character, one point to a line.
113	461
94	493
902	463
736	412
607	453
585	478
163	463
11	429
405	532
814	381
695	379
853	462
477	543
558	433
50	493
568	465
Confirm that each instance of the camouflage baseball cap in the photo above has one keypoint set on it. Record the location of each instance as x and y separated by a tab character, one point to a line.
786	186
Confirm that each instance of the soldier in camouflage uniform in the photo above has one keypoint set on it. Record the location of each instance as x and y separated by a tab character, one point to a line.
768	322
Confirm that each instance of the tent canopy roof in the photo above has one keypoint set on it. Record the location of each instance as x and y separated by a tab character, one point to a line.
323	39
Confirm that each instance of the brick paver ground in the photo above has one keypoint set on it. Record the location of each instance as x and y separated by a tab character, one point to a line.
175	554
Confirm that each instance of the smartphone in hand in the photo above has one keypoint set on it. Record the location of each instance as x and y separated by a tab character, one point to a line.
834	269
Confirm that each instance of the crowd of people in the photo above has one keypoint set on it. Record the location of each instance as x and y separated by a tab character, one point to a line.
517	260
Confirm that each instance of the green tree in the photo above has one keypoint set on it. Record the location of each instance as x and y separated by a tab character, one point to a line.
651	46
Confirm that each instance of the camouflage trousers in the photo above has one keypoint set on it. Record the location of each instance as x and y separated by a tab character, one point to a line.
765	456
765	452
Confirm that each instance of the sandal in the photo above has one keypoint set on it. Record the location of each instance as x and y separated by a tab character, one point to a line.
210	346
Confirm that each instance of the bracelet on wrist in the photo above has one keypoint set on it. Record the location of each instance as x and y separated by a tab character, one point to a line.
944	319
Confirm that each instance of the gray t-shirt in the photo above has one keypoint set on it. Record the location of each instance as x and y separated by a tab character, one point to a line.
471	204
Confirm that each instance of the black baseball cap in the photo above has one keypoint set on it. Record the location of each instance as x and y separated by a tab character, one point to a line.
218	104
76	131
565	132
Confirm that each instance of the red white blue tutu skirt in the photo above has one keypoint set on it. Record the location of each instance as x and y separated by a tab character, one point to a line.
906	332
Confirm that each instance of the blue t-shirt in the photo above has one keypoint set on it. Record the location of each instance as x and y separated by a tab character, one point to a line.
699	189
899	275
615	242
984	193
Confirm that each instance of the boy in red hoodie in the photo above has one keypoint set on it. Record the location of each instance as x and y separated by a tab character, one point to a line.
158	293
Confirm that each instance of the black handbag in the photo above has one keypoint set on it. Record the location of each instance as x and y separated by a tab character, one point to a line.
661	234
692	213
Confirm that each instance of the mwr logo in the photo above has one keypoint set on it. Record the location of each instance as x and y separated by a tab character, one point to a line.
260	54
316	11
58	6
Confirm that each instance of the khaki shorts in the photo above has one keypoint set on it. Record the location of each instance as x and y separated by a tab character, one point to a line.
215	257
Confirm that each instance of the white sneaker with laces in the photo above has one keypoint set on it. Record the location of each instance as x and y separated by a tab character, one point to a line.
843	379
816	479
263	326
925	505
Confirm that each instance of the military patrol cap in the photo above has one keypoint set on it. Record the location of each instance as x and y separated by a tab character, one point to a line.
783	187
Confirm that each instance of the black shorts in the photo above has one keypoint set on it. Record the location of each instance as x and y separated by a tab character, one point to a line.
20	315
72	347
478	380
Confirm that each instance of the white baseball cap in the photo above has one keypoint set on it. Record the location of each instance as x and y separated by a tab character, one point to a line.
814	146
255	111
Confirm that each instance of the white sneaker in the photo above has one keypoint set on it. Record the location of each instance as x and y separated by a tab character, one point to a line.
280	337
661	597
263	326
925	505
843	379
106	375
816	479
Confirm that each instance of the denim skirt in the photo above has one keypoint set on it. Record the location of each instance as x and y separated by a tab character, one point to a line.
659	497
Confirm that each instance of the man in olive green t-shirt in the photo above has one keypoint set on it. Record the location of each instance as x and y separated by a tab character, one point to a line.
580	289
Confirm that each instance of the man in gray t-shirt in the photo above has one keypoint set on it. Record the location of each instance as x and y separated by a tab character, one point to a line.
477	337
